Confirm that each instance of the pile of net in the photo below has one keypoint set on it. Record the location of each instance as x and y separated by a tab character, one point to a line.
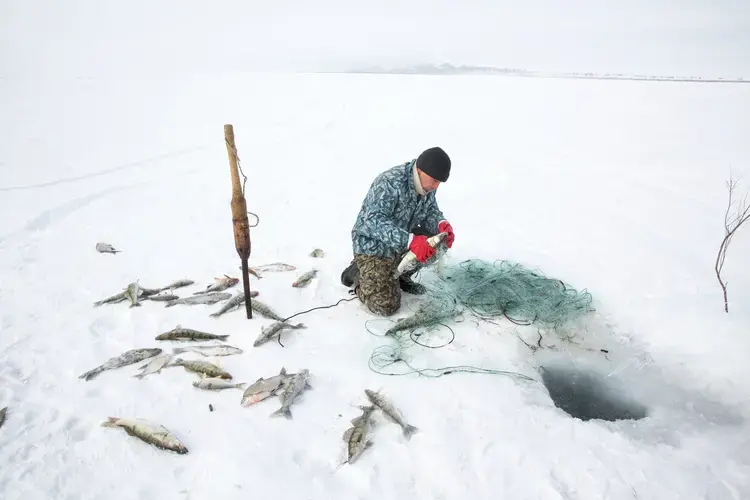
488	290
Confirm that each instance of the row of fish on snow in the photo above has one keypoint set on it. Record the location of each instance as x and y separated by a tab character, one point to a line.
287	386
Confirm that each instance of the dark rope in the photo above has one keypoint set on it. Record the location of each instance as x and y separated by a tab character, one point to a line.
278	339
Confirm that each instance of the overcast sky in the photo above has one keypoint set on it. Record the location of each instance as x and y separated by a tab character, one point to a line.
686	37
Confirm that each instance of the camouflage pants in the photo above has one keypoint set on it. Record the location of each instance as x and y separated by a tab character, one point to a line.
377	288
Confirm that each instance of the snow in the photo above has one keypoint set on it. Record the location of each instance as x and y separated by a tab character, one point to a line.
616	187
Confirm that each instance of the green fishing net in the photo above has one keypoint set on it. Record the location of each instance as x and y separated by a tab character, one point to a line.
487	290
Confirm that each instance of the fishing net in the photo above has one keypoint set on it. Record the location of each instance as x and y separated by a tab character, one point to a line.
487	290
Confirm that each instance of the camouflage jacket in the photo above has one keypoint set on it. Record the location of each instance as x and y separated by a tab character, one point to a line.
390	211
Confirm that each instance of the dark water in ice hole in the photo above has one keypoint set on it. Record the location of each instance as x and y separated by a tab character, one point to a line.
588	395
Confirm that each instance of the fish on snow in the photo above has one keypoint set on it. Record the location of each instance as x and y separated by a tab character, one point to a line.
154	366
219	285
148	432
216	384
292	389
234	302
188	334
264	388
209	350
207	298
274	330
305	278
132	293
204	367
391	412
124	359
355	437
102	247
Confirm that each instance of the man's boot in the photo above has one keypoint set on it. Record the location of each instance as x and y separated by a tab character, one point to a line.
407	285
349	274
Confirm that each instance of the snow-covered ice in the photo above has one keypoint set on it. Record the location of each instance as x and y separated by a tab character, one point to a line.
615	187
112	129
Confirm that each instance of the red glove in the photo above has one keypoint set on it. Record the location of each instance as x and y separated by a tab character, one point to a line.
445	226
422	250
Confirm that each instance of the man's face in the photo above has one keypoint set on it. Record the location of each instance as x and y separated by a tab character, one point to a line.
428	183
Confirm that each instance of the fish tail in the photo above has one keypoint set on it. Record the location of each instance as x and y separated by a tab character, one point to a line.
91	373
284	410
241	385
110	422
170	303
409	430
222	337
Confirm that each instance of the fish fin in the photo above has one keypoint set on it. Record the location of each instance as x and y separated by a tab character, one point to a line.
178	350
223	337
409	430
308	386
111	422
348	434
139	376
283	371
356	420
282	411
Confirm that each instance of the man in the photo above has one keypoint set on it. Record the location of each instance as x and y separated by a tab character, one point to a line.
399	205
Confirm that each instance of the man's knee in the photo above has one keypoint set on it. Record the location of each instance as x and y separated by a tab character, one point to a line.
381	305
376	287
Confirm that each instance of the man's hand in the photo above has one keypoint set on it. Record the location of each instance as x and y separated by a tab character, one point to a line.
445	226
422	250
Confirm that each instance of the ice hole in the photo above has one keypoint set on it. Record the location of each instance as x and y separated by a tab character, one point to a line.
588	395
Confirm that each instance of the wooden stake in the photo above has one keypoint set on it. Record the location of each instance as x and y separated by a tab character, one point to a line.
239	216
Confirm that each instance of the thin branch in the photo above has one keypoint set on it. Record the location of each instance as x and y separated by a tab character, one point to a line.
730	227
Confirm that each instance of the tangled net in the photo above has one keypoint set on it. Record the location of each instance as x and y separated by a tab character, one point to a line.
488	290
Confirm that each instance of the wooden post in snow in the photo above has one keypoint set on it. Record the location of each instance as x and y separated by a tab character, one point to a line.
239	216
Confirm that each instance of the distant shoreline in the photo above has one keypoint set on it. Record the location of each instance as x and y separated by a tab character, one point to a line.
448	70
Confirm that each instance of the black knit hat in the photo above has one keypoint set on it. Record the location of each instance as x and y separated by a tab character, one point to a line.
435	163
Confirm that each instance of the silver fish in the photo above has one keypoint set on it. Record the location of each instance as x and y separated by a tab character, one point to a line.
148	432
177	284
409	262
305	278
204	367
274	330
265	311
102	247
2	415
167	297
111	300
263	388
209	350
154	366
317	253
124	359
236	301
217	384
219	285
275	267
391	412
188	334
423	316
208	298
355	437
132	293
293	388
